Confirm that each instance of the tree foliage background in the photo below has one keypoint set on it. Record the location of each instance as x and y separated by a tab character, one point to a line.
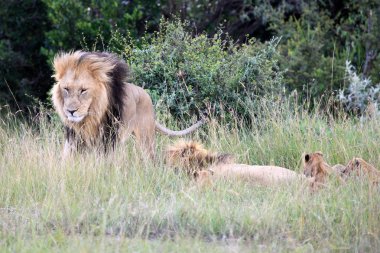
316	38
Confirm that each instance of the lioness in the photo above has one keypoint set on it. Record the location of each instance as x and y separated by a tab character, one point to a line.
320	171
316	168
359	167
98	106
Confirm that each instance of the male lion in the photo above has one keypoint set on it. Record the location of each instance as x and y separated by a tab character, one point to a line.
98	106
204	165
192	157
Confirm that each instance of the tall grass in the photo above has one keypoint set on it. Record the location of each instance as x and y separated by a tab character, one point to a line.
120	201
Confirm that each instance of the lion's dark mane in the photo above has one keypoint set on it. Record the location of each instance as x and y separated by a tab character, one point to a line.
116	87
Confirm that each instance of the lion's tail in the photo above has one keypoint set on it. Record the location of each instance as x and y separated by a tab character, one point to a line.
188	130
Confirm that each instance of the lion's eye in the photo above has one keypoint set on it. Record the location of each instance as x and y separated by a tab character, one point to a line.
83	91
65	91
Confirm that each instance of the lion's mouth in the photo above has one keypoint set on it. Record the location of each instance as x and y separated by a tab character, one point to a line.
307	173
75	118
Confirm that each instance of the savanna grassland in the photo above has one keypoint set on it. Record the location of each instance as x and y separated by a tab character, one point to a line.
241	62
123	202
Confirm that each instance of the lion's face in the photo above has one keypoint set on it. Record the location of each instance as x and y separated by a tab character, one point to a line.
77	96
188	157
352	165
358	166
80	94
313	164
193	158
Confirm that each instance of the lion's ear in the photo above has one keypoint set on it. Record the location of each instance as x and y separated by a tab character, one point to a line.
307	157
319	153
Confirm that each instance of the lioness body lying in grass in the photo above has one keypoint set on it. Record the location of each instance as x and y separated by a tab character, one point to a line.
262	174
205	166
316	168
359	167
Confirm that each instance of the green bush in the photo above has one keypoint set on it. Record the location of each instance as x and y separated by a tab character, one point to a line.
318	40
24	72
88	24
312	65
190	74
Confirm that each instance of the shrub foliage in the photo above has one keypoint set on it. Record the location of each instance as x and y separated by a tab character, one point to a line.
24	72
192	73
317	37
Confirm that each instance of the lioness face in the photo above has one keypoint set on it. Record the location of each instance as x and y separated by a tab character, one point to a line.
312	163
355	166
77	93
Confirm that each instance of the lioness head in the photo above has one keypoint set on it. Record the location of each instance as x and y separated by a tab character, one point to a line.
82	88
313	164
358	166
353	165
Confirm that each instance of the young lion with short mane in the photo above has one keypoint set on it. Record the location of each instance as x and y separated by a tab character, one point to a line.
205	165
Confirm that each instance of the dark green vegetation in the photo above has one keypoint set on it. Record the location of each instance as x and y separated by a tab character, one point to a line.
315	40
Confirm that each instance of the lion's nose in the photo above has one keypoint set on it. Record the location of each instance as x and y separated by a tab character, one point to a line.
72	111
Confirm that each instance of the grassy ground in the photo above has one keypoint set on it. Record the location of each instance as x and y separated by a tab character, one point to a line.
120	202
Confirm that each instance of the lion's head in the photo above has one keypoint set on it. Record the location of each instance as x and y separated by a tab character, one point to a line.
358	166
314	164
89	87
192	157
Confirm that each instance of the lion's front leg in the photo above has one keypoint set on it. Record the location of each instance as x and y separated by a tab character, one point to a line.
145	139
68	149
70	146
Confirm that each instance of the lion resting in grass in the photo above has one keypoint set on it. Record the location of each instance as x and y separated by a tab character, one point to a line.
98	106
359	167
205	166
316	168
192	157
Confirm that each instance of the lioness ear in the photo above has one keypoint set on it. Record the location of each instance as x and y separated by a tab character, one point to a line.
307	158
319	153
